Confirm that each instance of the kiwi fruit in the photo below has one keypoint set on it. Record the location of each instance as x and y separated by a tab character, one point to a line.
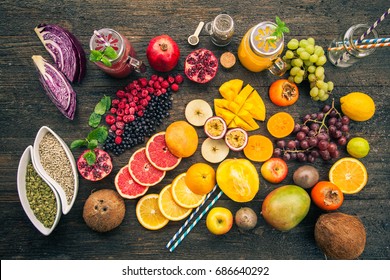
104	210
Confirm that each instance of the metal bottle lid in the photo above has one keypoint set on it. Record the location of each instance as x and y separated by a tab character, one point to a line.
107	37
260	41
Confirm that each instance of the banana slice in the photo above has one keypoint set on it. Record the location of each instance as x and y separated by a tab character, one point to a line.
198	111
214	150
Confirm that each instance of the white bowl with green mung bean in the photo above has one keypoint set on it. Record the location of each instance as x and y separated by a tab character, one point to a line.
39	199
55	162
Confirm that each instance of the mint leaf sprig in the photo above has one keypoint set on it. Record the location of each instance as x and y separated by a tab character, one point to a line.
103	56
280	28
94	138
100	109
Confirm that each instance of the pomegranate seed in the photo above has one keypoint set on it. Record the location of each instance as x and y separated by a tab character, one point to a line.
171	79
120	112
165	84
143	82
154	78
110	119
119	132
118	140
179	79
113	110
140	113
175	87
120	94
113	127
120	125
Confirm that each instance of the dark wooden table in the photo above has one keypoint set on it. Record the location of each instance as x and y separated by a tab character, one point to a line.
25	108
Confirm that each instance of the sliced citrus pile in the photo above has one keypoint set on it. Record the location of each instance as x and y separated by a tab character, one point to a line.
183	195
280	124
349	174
148	213
239	107
259	148
169	208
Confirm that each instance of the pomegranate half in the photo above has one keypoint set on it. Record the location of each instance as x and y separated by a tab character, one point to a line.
201	66
97	171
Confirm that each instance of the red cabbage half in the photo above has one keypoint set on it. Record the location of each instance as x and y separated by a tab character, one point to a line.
56	86
65	49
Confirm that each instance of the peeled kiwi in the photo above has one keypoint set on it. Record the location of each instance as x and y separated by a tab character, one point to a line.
340	236
104	210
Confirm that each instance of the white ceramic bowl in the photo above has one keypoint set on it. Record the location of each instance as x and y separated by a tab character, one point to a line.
41	171
21	181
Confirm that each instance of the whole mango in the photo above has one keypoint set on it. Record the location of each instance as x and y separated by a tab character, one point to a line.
285	207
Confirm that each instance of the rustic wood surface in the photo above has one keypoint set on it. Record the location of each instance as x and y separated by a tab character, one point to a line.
25	108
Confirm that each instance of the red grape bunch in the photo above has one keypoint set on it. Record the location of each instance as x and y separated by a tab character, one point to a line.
318	136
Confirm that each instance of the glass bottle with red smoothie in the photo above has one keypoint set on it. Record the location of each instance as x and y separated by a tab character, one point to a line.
126	61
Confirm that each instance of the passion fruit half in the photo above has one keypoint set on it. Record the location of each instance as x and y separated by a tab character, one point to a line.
215	127
236	139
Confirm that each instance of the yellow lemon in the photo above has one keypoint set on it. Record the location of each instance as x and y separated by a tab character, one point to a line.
358	106
358	147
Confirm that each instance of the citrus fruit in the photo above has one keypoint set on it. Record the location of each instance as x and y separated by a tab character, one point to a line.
349	174
280	124
358	147
358	106
126	186
148	213
200	178
181	139
238	179
259	148
169	208
142	171
158	153
183	195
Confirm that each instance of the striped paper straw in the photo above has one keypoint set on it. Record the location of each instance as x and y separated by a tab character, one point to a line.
367	41
101	38
191	217
346	55
196	221
368	46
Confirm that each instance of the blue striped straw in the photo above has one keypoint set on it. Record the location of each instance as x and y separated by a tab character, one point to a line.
196	221
190	218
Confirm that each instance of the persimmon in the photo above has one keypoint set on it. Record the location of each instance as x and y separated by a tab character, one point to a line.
280	124
259	148
327	196
283	93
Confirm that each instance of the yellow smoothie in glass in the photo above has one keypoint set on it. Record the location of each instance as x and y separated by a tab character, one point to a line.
258	49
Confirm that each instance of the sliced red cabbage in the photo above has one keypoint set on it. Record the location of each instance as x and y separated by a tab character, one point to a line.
65	49
57	87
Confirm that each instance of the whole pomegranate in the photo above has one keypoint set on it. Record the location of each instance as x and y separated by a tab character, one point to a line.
201	66
97	171
163	53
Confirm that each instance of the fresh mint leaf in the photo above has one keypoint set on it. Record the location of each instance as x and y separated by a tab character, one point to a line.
90	157
78	143
92	144
94	120
100	134
106	61
107	101
95	56
100	107
280	28
110	52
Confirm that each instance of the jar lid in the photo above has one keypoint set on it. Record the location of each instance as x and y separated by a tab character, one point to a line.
107	37
260	40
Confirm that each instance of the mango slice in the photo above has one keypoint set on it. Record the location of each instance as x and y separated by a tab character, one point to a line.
230	89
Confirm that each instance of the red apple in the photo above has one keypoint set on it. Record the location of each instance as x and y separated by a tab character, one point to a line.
274	170
219	220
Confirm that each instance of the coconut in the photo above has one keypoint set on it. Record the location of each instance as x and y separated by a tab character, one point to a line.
104	210
340	236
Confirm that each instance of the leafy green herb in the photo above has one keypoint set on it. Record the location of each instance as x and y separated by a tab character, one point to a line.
100	109
78	143
104	56
90	157
280	28
94	120
100	134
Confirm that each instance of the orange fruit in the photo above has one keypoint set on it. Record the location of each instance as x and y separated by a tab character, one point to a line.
181	139
200	178
349	174
280	124
148	213
259	148
182	195
169	208
238	179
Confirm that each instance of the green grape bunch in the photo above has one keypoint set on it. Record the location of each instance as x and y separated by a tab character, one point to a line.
305	60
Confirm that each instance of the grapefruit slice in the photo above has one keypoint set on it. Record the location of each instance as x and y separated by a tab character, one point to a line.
148	213
142	171
169	208
126	186
158	153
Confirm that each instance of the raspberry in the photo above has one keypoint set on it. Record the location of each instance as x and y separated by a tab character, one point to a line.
157	85
110	119
154	78
120	112
140	113
121	105
120	94
179	79
120	125
113	127
160	79
119	132
165	84
118	140
175	87
113	110
171	79
114	103
143	82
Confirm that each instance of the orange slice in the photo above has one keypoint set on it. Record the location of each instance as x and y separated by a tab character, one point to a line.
169	208
183	195
280	124
148	213
259	148
349	174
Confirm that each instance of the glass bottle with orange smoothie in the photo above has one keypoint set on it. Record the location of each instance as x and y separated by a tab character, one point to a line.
125	62
260	50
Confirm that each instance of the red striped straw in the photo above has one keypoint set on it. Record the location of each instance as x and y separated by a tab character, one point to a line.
101	38
346	55
369	46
